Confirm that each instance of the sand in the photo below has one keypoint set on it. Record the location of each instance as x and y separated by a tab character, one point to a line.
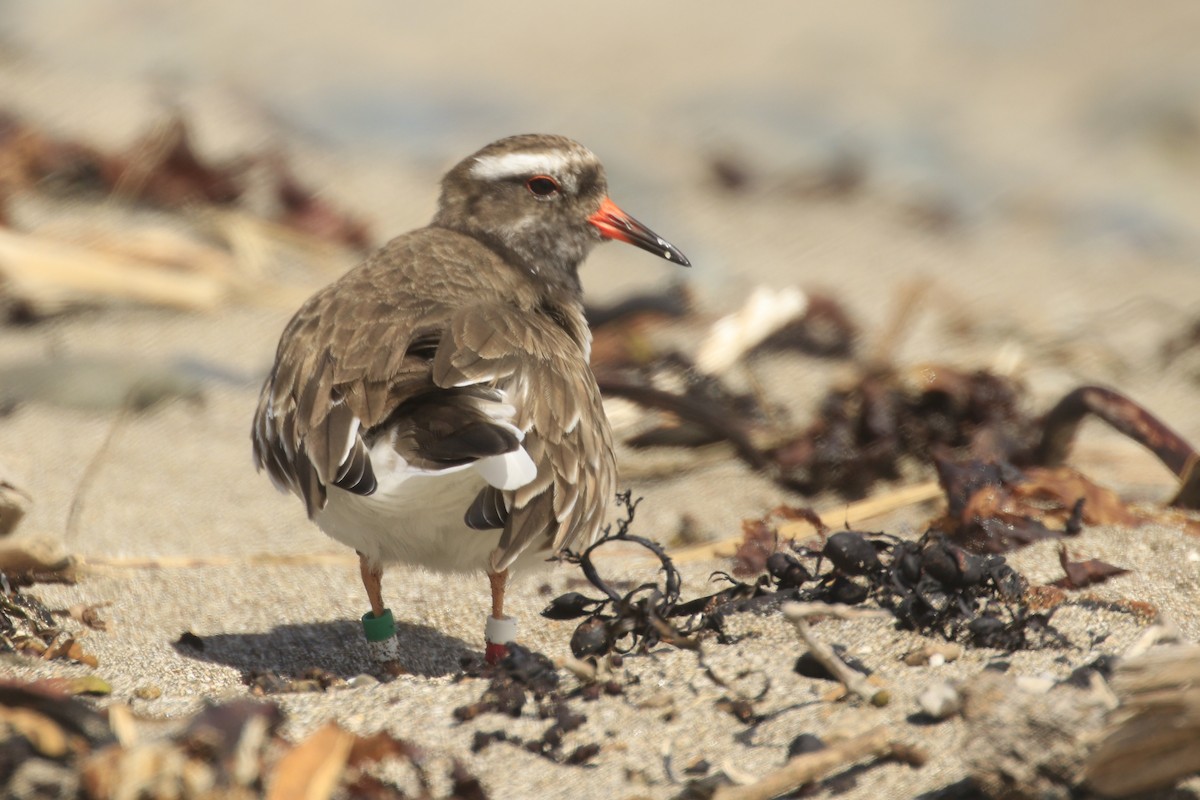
1048	135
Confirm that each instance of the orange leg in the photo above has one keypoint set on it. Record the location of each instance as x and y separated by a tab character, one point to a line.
379	627
499	581
372	578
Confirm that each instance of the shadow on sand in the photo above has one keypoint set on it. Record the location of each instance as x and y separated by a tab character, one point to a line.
337	646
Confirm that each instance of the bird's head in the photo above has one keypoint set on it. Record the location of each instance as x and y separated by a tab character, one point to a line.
543	201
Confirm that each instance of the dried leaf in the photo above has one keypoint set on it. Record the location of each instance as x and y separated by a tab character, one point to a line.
76	653
759	541
59	647
1061	487
994	507
313	769
1080	574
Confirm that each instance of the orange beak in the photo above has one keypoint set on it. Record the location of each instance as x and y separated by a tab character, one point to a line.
613	223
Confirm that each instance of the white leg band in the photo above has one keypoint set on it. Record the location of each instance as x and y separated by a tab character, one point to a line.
386	650
500	631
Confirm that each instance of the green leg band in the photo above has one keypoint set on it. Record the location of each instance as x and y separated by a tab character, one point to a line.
379	628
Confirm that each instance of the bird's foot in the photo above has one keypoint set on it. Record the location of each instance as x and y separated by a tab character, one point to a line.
499	633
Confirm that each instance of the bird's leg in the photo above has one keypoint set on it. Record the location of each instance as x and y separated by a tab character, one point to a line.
378	623
501	630
372	578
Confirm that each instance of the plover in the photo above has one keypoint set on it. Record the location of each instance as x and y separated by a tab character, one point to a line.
435	405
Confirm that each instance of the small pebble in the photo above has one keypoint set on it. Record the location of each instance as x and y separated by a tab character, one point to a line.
933	654
361	681
149	692
940	700
1035	684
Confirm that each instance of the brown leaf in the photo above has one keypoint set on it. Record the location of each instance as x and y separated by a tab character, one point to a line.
59	647
1061	487
76	653
313	769
760	537
759	541
802	514
985	510
1080	574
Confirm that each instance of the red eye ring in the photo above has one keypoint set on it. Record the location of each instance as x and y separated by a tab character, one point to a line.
542	186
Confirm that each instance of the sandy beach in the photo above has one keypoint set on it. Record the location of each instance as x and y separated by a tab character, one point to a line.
1032	165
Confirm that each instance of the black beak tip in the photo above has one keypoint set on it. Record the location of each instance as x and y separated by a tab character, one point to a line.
671	253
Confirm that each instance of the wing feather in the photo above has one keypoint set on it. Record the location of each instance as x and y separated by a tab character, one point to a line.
379	346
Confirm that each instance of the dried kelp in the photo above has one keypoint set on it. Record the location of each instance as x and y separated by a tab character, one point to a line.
164	169
54	744
28	626
624	622
527	678
931	585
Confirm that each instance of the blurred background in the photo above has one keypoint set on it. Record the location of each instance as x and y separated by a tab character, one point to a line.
177	177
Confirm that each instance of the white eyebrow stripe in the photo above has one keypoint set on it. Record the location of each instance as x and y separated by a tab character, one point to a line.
511	165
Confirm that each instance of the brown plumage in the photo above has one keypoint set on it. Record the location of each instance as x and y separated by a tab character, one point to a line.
453	364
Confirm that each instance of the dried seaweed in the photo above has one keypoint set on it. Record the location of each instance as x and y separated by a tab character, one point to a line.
707	410
863	432
633	621
164	169
521	677
28	626
1129	418
932	585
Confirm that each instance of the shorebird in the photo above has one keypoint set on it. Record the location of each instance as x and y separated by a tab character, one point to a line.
435	405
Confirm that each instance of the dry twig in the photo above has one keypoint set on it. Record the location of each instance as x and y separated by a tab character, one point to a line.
854	681
808	767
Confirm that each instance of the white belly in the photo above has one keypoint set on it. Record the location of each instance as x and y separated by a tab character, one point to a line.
417	521
417	518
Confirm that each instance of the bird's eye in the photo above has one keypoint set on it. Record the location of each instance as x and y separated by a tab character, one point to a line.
542	185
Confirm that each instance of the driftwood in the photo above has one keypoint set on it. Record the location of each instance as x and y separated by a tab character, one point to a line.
1152	739
876	743
49	275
